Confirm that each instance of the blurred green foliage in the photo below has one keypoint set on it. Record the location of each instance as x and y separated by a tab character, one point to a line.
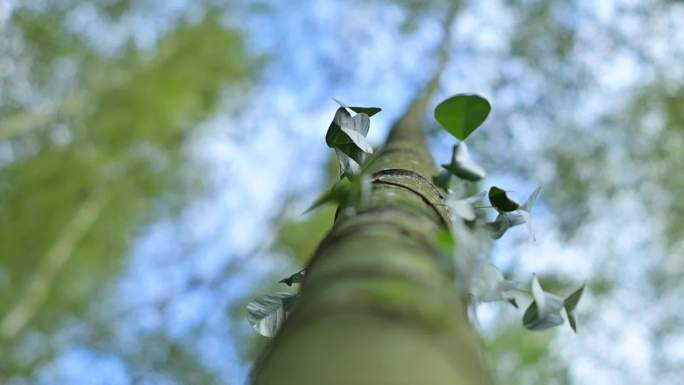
299	238
116	147
523	357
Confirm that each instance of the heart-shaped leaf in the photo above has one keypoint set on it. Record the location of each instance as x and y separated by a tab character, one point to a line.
267	313
461	114
348	166
347	129
370	111
501	201
506	220
347	135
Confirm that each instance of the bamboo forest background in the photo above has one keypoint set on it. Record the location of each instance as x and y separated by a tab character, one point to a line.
156	158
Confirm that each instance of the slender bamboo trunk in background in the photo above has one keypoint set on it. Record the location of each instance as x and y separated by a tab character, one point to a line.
62	250
376	307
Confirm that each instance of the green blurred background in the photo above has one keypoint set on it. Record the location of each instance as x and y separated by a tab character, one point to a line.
156	158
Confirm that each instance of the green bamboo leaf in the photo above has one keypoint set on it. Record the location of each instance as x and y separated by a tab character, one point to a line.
267	313
532	320
370	111
297	277
461	114
338	193
442	180
531	314
502	223
570	303
573	299
501	201
572	322
351	192
525	212
544	311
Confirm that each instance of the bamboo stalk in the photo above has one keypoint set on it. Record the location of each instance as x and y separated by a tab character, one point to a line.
376	306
